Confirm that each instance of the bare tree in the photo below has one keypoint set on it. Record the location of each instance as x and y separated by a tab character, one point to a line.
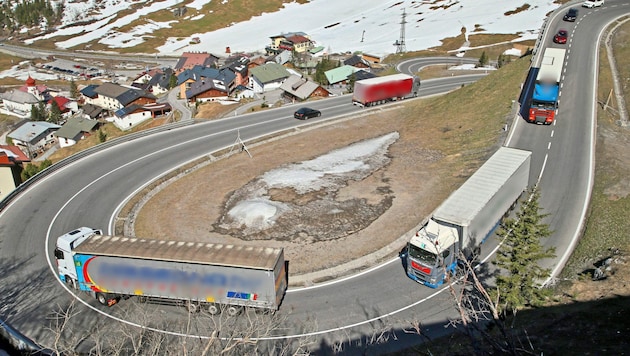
480	316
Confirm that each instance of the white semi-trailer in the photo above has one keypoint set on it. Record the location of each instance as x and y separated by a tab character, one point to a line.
199	275
469	215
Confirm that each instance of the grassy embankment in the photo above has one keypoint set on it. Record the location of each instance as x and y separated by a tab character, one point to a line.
585	315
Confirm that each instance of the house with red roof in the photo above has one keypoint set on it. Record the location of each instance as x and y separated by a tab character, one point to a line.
189	60
293	42
67	106
12	161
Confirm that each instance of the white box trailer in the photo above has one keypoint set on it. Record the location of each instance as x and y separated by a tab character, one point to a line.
468	216
201	275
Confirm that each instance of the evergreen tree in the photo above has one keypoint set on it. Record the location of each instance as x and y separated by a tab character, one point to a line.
102	136
55	112
74	90
172	82
483	60
35	114
518	282
38	112
351	80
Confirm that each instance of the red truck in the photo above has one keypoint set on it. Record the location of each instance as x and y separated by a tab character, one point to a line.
379	90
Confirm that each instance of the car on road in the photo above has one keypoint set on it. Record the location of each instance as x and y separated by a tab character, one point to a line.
306	113
592	3
561	37
571	15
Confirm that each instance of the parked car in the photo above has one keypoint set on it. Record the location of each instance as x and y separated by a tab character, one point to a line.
561	36
306	113
592	3
571	15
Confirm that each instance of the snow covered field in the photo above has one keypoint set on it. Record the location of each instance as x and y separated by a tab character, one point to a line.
369	26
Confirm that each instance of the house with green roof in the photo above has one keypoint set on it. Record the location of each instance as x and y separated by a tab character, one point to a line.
340	75
75	129
267	77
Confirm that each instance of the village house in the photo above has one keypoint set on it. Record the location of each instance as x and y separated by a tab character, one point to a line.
91	111
155	81
19	102
75	129
297	88
267	77
67	106
340	75
370	58
240	66
205	83
357	62
113	97
134	114
12	161
188	60
293	42
34	137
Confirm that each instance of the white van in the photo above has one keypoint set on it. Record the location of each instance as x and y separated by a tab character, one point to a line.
592	3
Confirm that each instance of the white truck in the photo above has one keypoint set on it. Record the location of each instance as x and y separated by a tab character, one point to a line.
198	275
468	216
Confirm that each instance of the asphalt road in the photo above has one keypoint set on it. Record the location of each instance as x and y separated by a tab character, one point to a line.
90	192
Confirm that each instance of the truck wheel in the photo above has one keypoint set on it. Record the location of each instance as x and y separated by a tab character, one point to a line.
192	307
71	282
233	311
102	299
213	309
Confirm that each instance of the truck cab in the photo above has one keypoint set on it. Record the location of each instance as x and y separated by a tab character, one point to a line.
64	255
432	253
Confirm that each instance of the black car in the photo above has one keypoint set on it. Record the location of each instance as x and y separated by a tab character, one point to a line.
306	113
571	15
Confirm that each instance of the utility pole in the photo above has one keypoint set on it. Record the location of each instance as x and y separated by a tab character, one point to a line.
400	43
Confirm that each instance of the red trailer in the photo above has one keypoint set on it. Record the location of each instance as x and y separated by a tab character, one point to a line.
379	90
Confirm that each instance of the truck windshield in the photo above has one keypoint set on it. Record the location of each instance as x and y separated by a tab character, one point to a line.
422	255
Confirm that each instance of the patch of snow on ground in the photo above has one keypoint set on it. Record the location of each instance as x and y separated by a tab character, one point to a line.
255	209
369	26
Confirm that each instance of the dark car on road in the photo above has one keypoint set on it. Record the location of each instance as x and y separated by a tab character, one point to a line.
571	15
306	113
561	36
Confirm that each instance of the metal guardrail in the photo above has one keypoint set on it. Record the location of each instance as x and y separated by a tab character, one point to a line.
14	337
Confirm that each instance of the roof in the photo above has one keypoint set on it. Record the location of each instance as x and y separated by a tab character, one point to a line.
18	96
269	72
129	110
109	89
339	74
14	153
297	39
124	95
316	49
60	100
354	60
255	257
466	202
203	85
299	87
90	91
31	131
74	126
191	59
199	72
92	111
362	74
